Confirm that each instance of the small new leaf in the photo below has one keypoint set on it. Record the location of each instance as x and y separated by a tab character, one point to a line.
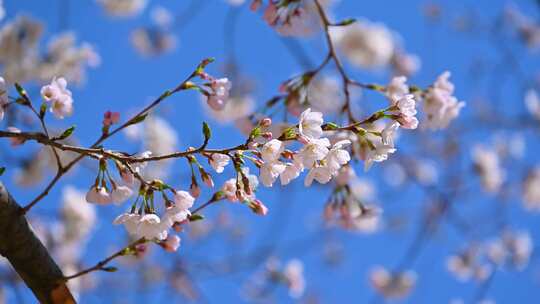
24	100
110	269
203	64
67	133
345	22
256	132
2	170
207	132
42	110
289	133
330	126
138	119
195	217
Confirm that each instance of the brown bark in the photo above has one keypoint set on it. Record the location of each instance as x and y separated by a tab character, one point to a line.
28	256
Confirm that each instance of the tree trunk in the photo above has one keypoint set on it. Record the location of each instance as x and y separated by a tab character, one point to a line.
28	256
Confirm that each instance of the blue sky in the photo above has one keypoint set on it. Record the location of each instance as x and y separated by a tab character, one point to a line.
126	81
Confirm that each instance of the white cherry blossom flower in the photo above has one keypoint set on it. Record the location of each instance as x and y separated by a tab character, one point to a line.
321	174
150	227
271	151
310	124
365	44
314	150
440	106
219	161
294	274
230	188
59	97
130	222
397	88
406	105
380	147
120	194
337	156
183	200
270	171
98	195
292	170
175	214
220	93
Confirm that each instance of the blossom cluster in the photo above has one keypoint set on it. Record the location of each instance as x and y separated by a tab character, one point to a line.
22	59
290	18
440	106
290	275
59	97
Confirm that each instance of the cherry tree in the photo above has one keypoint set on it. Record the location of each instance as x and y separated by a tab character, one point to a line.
446	168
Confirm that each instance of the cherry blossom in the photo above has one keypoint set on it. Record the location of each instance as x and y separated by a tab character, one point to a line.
59	97
294	274
365	44
392	285
183	200
120	194
151	227
220	93
130	222
440	106
310	124
171	243
98	195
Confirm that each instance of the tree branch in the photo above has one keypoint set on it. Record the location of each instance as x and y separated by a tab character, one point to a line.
28	256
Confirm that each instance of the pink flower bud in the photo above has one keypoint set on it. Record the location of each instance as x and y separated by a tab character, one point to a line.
266	122
194	190
258	207
408	122
111	118
171	243
207	179
267	135
177	227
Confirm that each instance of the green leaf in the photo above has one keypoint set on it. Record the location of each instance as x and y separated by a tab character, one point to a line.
20	89
331	126
138	119
345	22
110	269
203	64
289	133
256	132
207	132
195	217
24	100
67	133
42	110
2	170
